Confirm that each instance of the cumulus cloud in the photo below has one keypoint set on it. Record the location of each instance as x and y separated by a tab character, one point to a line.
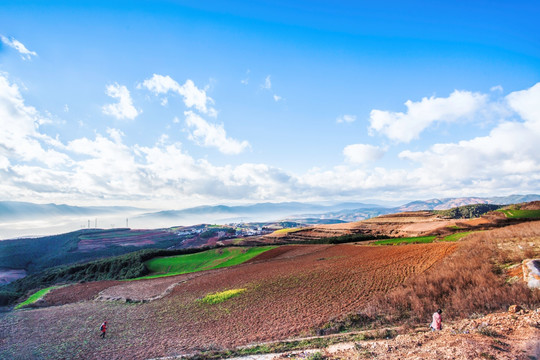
362	153
404	127
192	95
200	131
526	104
346	119
108	165
17	45
20	139
124	108
509	154
104	167
212	135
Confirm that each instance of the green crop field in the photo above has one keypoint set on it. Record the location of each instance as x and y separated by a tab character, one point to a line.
521	214
206	260
421	239
406	240
35	297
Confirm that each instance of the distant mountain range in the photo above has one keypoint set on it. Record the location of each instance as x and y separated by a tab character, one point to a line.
285	208
448	203
16	210
347	211
350	215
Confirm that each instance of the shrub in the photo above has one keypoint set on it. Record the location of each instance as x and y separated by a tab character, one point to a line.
316	356
468	281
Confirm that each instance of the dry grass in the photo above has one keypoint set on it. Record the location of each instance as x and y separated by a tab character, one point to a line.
468	282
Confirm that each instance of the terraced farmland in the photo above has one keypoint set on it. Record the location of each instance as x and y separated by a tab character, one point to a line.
287	291
122	237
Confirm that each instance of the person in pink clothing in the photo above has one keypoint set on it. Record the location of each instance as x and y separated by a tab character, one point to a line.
436	324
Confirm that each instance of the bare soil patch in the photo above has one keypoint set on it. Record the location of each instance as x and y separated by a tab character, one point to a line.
121	238
76	292
533	205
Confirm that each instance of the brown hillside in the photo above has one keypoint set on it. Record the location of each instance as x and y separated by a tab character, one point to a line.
405	224
396	225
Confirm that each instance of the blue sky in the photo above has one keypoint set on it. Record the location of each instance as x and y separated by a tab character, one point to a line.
174	103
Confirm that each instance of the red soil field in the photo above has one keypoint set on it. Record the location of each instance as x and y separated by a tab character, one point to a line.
290	291
122	238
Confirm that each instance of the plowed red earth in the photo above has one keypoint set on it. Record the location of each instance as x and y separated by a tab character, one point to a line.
290	291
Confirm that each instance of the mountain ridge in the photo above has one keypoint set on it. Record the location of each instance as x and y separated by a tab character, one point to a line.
14	209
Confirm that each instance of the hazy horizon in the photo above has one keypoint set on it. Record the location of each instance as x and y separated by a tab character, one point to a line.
34	222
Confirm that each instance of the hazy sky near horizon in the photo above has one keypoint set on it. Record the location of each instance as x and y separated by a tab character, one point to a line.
178	103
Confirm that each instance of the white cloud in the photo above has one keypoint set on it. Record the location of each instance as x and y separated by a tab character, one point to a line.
362	153
496	88
200	130
109	167
20	139
17	45
527	104
509	153
212	135
192	95
404	127
346	119
4	162
246	80
267	83
102	168
124	108
66	108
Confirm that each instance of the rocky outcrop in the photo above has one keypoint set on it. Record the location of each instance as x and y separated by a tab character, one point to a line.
531	273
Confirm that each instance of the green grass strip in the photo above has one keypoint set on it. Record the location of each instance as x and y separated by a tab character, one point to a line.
220	297
521	214
406	240
206	260
35	297
457	236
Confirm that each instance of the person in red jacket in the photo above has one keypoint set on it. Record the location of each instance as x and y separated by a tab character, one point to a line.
436	324
103	329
